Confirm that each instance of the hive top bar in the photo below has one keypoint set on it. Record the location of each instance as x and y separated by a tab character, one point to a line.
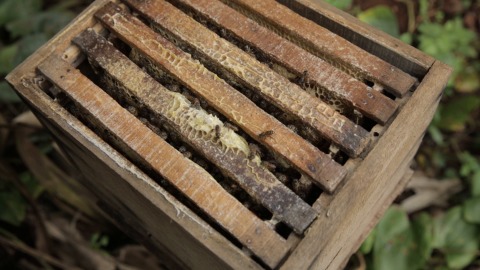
235	134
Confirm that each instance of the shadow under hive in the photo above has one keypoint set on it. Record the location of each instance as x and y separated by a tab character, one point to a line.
235	133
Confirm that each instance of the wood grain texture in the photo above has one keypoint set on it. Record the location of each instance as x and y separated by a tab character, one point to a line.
371	39
185	175
329	238
322	42
160	221
154	217
323	78
220	95
251	73
193	126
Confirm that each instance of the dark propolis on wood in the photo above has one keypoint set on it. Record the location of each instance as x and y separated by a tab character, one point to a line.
224	98
197	128
153	151
322	42
322	74
246	70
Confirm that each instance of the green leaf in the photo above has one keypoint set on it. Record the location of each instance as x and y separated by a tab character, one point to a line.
367	245
471	210
475	184
340	4
7	58
468	80
400	245
48	23
456	238
381	17
422	227
436	135
32	185
470	164
13	207
28	45
7	95
11	10
393	223
456	114
451	43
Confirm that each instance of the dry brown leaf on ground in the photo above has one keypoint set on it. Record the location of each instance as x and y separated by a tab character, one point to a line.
140	257
429	192
72	248
55	180
27	119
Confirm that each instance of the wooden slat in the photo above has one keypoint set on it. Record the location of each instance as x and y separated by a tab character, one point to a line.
369	102
350	211
275	88
184	174
220	95
369	38
133	201
322	42
228	150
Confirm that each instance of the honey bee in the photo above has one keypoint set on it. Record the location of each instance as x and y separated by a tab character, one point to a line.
196	103
218	132
269	165
223	33
254	150
302	80
230	126
132	110
265	134
249	50
293	128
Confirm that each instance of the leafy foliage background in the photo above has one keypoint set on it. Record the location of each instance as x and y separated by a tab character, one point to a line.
437	227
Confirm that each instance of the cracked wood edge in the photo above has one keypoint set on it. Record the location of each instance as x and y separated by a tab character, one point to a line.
184	174
350	209
368	101
245	69
178	114
239	109
322	42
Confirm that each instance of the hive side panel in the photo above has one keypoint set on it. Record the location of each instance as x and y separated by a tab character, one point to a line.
350	209
153	216
368	38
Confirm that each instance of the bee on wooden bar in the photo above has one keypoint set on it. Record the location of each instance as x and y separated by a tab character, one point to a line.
269	165
254	150
249	51
132	110
293	128
218	132
303	79
223	33
265	134
196	103
231	126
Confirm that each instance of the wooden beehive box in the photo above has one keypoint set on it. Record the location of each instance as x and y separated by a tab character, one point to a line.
236	133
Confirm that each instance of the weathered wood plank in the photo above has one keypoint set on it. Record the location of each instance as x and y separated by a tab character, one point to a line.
324	43
138	205
369	38
248	71
350	209
226	150
184	174
220	95
330	80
